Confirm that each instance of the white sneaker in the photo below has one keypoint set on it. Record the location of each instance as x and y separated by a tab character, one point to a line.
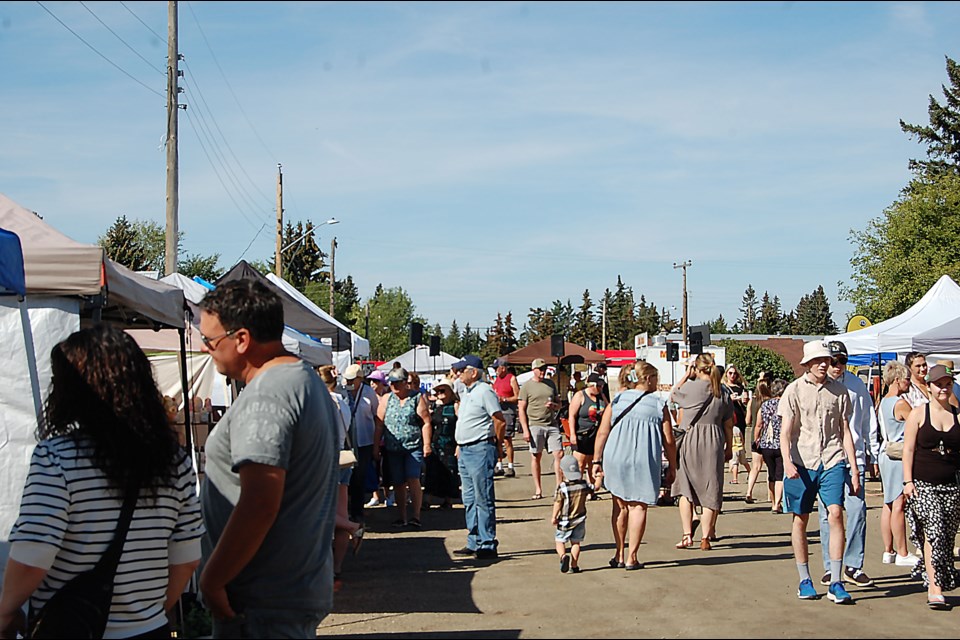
375	502
888	558
908	560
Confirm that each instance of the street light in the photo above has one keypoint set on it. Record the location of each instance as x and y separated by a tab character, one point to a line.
278	262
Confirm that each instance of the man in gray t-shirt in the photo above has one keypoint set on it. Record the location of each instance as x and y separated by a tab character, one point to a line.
272	471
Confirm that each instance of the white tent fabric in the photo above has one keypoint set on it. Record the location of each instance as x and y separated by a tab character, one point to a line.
938	306
28	332
359	347
203	379
942	339
419	360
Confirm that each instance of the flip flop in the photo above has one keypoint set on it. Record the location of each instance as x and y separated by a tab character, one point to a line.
536	496
357	539
615	564
937	603
633	567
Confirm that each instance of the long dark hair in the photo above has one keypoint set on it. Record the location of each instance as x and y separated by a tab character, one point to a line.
103	390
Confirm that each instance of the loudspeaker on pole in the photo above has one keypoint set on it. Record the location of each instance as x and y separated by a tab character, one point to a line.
434	345
416	334
556	345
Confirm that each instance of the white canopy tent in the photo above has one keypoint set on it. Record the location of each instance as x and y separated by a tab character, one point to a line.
942	339
419	360
938	306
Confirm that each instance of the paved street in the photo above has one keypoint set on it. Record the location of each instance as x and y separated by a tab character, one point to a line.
407	583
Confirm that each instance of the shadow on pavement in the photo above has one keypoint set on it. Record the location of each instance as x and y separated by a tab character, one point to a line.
400	635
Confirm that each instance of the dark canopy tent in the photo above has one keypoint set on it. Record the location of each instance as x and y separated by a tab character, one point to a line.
294	314
573	354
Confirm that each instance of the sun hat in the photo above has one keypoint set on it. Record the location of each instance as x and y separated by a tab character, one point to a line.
397	375
539	363
570	468
815	349
938	371
948	364
443	382
352	372
379	376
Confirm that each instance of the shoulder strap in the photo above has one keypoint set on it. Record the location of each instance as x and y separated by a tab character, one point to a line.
628	409
111	557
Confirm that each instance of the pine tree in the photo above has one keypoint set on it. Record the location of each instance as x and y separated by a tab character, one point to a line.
942	135
748	311
122	245
451	342
509	334
647	318
584	329
719	325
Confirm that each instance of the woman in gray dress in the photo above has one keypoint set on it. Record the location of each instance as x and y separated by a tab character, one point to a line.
706	421
635	429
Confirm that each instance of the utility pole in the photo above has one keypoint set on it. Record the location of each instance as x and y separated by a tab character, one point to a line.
333	250
278	259
173	168
683	323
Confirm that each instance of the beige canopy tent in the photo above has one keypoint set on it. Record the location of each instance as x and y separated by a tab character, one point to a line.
572	354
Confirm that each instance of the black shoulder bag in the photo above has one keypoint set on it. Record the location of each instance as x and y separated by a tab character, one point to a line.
629	409
81	607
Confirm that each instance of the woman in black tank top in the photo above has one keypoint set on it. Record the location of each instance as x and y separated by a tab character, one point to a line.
931	463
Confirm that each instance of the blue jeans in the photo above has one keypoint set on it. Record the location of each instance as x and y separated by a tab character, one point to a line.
476	465
856	508
268	623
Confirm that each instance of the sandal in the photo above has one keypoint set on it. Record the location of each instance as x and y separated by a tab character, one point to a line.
615	564
536	496
705	544
937	603
686	541
748	500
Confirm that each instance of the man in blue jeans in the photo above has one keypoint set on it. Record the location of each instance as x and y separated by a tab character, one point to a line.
814	440
478	422
863	430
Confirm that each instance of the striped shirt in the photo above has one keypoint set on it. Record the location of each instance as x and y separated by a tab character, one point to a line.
68	518
572	497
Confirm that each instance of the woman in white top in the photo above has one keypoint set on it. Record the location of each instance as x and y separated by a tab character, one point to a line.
105	435
918	392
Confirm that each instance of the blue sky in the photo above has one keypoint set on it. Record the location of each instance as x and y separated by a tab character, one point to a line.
488	157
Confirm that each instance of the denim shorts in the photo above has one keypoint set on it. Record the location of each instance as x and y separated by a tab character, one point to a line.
577	534
401	466
800	493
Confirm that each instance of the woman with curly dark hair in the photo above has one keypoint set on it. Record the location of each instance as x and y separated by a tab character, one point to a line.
105	436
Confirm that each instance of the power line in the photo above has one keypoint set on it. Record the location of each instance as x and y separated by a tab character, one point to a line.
159	37
137	53
94	49
224	76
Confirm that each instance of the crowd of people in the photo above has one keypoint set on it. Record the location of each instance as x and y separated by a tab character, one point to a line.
284	499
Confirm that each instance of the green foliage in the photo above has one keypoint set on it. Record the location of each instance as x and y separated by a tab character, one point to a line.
748	312
303	262
719	325
621	321
391	312
902	253
584	327
942	136
751	359
346	299
122	245
204	266
771	318
539	326
812	315
451	342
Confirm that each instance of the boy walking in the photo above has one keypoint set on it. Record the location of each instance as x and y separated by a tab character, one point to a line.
570	514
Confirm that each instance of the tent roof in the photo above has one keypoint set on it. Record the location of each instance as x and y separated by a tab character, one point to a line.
419	360
295	314
358	346
942	339
573	354
940	304
134	300
53	263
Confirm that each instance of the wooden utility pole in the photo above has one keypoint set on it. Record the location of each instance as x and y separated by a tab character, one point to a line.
173	167
278	260
333	250
683	323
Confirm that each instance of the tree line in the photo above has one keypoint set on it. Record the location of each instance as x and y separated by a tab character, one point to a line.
895	259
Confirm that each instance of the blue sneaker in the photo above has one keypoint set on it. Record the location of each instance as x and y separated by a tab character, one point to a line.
806	591
838	594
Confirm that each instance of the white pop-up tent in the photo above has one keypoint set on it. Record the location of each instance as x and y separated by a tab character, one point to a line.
942	339
938	306
419	360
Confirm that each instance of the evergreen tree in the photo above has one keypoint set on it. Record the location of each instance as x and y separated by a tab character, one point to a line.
942	136
197	265
584	329
621	323
122	245
451	342
813	317
771	318
539	325
667	323
303	261
748	312
647	318
510	342
719	325
562	315
391	313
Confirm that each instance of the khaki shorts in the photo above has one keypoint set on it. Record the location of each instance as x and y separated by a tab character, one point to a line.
545	437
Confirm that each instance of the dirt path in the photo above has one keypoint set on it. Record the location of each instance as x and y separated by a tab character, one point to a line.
407	584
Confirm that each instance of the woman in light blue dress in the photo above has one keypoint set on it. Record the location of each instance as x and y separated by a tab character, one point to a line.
894	409
634	431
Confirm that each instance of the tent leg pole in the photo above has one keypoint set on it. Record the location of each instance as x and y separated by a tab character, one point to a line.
188	435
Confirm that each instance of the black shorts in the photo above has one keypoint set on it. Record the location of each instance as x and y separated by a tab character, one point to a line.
774	461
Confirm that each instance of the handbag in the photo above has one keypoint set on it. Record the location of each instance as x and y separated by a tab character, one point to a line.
894	450
347	458
81	607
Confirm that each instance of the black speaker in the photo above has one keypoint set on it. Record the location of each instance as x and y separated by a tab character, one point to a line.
434	345
556	345
673	352
695	342
416	333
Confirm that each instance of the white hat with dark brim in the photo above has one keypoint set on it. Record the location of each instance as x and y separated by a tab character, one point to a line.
815	349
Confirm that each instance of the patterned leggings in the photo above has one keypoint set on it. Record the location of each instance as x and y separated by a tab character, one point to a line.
933	514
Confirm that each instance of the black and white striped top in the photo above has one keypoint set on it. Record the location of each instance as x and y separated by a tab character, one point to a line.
68	518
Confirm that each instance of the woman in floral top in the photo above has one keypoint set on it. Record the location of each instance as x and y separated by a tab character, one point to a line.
768	442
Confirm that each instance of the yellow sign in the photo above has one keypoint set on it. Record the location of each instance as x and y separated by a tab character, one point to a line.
858	322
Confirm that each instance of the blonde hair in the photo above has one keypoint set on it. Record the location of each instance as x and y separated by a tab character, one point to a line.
328	376
640	370
705	364
894	371
763	391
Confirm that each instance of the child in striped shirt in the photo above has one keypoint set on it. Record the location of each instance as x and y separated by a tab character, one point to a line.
570	514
